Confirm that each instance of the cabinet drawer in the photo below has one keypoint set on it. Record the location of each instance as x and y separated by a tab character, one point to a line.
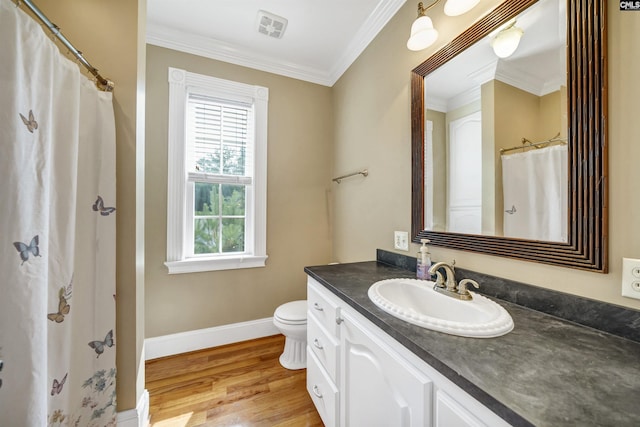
451	413
322	307
323	346
322	390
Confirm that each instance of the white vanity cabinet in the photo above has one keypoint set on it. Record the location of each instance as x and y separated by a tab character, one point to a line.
357	375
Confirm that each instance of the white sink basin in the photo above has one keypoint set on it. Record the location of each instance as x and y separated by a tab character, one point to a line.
416	302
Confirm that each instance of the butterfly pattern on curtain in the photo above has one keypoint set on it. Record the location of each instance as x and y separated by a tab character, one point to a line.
98	206
64	295
57	231
99	346
26	250
30	123
102	382
100	392
56	388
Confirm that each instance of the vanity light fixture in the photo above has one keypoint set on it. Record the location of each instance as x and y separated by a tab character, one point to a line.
459	7
423	34
507	40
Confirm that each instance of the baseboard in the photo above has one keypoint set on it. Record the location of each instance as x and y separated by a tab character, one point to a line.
137	417
169	345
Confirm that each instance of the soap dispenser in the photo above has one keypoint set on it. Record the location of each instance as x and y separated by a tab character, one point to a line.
424	261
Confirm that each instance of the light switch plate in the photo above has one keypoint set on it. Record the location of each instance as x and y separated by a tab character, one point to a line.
631	278
401	240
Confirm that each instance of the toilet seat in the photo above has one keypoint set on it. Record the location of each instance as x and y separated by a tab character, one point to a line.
292	313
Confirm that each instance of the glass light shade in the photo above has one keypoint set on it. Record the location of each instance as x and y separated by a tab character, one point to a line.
506	42
422	34
459	7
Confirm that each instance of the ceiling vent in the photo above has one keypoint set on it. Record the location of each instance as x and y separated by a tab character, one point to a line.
271	25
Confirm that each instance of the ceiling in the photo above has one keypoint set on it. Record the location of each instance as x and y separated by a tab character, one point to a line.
321	40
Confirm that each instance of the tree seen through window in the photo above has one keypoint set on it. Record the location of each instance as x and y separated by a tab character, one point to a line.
219	222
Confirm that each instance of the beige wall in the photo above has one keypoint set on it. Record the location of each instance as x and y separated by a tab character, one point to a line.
517	116
298	226
536	118
552	115
372	119
111	35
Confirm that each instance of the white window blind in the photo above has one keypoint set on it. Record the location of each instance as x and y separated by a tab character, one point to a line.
219	137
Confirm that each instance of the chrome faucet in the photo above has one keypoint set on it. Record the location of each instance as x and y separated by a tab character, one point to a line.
450	287
449	270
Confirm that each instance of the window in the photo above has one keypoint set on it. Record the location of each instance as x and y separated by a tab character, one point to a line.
216	204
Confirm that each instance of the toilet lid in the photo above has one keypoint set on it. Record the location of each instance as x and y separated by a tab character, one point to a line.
294	311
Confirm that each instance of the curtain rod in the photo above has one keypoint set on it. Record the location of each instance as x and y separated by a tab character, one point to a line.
102	83
528	144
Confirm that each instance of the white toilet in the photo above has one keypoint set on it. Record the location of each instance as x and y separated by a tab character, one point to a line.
291	319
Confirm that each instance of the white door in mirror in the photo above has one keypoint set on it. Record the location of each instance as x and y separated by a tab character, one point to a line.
631	278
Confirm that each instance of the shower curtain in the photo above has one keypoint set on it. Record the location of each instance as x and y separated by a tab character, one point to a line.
57	235
535	194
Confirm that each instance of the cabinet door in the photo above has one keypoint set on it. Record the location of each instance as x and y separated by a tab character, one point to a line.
378	387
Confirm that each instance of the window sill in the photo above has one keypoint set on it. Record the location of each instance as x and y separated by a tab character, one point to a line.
195	265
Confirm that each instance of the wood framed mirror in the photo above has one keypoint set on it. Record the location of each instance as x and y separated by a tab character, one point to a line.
585	244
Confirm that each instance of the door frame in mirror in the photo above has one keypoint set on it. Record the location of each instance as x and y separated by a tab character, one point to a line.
587	246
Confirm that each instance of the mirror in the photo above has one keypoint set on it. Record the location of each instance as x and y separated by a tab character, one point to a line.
452	133
496	132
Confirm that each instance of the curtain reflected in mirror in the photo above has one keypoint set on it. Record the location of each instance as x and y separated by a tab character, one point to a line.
496	133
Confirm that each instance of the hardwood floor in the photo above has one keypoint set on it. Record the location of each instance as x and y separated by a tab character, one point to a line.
239	385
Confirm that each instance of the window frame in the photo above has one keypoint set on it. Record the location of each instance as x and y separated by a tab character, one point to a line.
179	183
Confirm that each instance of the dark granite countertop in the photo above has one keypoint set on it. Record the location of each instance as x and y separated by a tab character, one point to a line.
546	372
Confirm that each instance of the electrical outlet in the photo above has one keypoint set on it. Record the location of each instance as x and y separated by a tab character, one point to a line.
401	241
631	278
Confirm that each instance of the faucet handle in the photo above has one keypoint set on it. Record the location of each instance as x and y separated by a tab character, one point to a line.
462	286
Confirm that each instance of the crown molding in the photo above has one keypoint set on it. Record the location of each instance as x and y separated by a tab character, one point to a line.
460	100
520	79
222	51
194	44
464	98
376	21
